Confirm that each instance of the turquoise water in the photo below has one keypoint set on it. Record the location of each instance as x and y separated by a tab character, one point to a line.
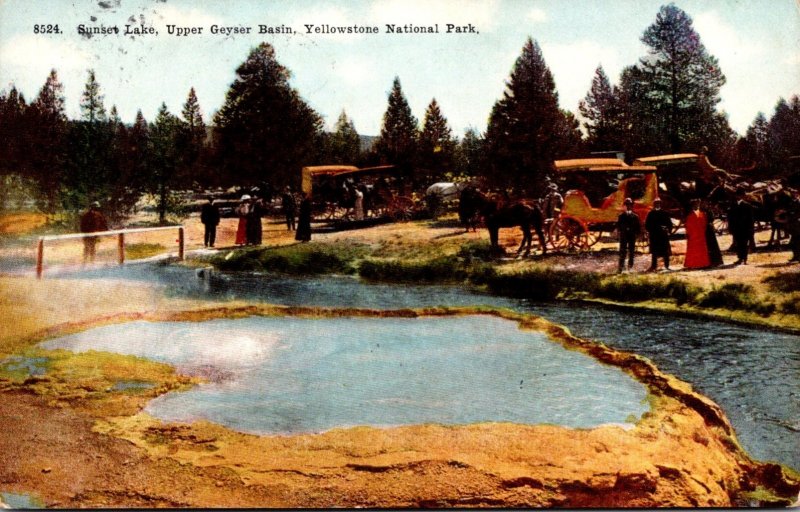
293	375
21	501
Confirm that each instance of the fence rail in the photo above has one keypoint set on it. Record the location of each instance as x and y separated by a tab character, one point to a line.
120	233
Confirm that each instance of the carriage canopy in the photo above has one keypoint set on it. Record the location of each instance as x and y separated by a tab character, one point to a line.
309	173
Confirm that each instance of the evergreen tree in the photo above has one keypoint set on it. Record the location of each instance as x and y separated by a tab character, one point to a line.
344	144
526	128
47	139
165	160
470	157
436	145
13	132
680	82
92	108
603	115
783	135
90	173
397	141
192	138
265	131
752	149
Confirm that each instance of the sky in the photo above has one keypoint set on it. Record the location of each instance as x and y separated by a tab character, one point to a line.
757	43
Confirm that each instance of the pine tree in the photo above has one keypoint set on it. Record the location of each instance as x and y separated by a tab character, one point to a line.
47	139
92	108
753	149
397	141
192	137
526	128
265	131
783	138
603	115
344	144
680	81
436	145
470	157
165	160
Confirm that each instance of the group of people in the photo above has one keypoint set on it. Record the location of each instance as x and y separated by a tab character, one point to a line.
250	210
702	248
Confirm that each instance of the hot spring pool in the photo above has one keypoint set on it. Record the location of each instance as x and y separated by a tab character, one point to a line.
295	375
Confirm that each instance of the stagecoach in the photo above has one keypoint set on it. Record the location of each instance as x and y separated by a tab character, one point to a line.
596	191
331	188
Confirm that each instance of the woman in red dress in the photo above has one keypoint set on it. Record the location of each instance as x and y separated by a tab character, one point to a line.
242	210
696	247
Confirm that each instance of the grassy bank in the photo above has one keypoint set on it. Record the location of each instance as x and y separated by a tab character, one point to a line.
473	264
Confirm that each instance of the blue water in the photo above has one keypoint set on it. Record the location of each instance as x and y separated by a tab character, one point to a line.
293	375
21	501
753	373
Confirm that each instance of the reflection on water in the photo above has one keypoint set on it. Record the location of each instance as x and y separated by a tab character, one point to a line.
289	375
752	373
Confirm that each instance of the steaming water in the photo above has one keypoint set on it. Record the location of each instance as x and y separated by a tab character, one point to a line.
753	373
289	375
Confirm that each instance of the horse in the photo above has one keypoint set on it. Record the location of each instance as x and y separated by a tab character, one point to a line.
497	214
470	202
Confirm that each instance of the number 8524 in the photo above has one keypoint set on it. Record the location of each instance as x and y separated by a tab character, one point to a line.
46	29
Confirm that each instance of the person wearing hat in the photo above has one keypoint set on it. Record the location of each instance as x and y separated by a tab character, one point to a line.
658	224
553	202
628	226
242	211
741	225
91	222
209	216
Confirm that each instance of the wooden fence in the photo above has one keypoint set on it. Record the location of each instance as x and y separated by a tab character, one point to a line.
119	233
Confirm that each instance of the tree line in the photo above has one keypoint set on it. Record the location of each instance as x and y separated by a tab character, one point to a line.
265	131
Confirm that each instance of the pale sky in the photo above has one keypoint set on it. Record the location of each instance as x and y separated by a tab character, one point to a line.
757	43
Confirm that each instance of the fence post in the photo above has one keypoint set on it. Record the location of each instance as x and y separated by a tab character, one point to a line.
180	243
121	247
40	258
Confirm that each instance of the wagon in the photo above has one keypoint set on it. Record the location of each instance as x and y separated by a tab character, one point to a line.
596	191
330	188
687	176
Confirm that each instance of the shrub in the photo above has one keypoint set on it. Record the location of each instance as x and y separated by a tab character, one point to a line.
786	282
735	296
542	284
634	290
442	269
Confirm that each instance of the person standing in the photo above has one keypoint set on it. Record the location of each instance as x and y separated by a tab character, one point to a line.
553	202
658	224
289	206
741	226
303	233
628	226
209	216
254	229
696	245
714	252
242	211
91	222
358	206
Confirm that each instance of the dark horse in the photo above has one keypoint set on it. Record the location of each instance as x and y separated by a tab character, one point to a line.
499	214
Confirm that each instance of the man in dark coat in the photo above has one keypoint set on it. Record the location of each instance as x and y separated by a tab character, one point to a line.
91	222
289	205
303	233
658	225
629	226
741	226
209	216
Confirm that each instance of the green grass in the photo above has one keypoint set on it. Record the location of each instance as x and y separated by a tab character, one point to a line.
735	296
298	259
626	289
542	283
437	270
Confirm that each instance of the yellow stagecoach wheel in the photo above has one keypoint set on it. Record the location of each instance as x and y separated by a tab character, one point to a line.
567	234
